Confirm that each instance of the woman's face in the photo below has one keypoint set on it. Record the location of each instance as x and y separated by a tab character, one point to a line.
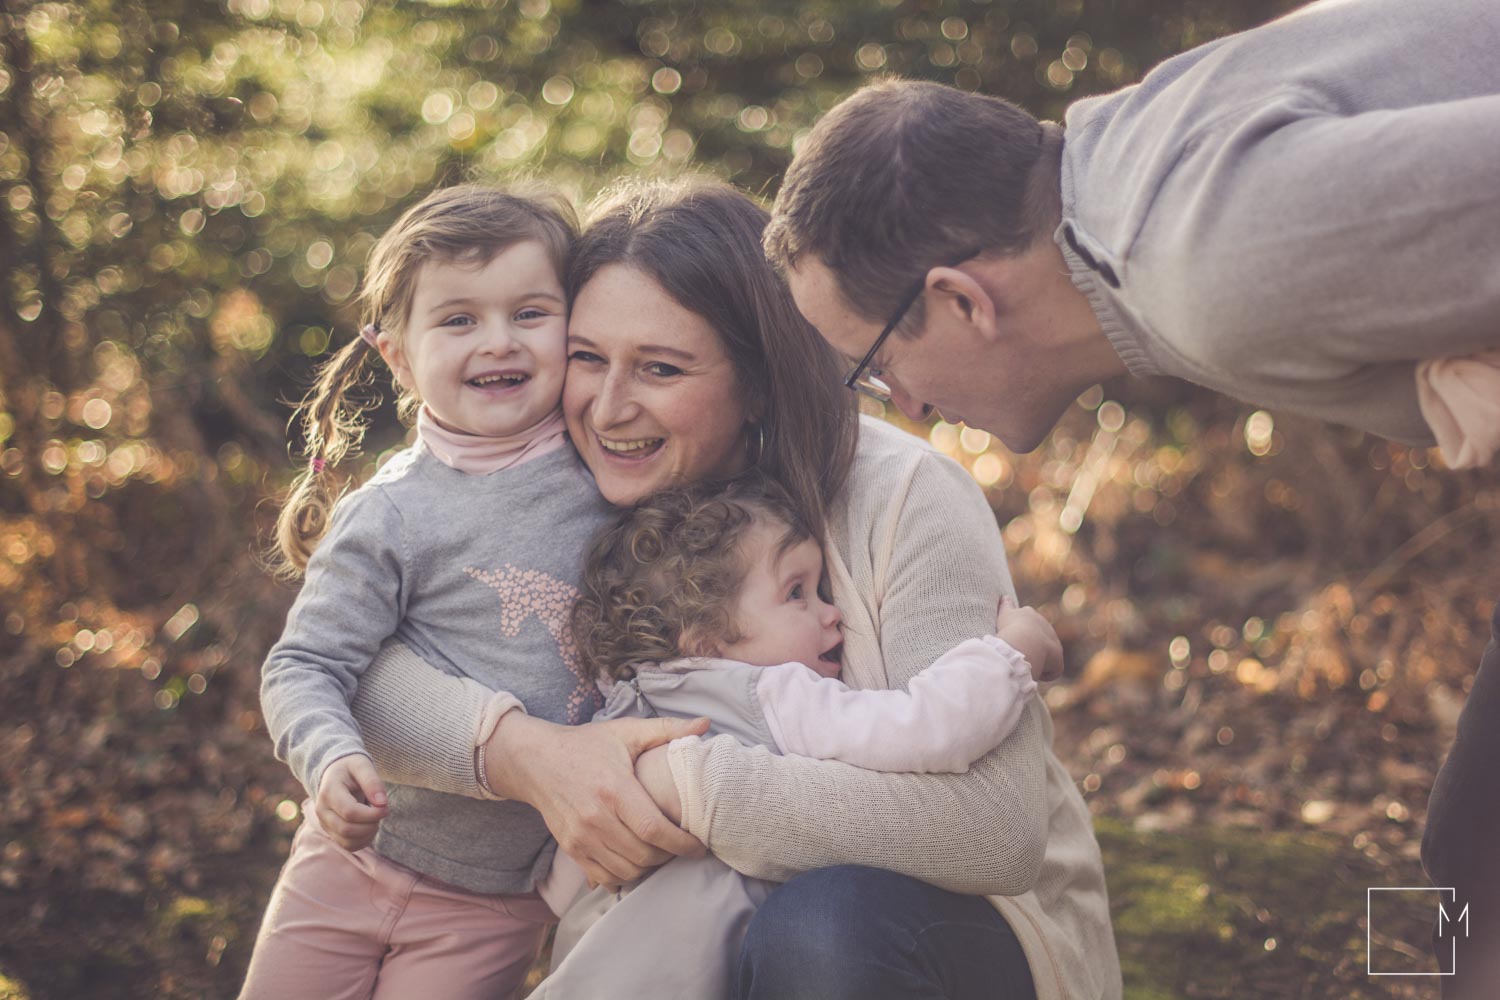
651	396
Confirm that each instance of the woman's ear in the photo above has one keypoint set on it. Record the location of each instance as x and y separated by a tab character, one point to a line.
957	297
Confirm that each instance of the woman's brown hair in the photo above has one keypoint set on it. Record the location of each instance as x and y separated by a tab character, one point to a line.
467	225
661	582
700	241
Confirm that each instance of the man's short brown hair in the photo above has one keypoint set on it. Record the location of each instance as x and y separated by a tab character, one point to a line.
906	175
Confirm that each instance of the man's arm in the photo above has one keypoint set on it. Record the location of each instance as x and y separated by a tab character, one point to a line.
1328	254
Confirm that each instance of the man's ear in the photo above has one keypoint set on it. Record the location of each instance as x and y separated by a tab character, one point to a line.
960	298
395	359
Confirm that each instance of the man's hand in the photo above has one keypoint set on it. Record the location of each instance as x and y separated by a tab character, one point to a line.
582	780
351	802
1033	637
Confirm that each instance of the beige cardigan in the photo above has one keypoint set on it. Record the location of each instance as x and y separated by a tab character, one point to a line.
917	567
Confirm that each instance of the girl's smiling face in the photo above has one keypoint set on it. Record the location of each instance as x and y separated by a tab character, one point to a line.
652	398
485	345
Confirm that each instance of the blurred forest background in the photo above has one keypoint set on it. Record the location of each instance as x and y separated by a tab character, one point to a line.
1270	624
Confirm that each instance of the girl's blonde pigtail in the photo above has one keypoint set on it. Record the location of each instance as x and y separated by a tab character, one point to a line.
332	428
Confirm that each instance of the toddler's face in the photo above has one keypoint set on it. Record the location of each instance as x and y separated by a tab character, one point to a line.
779	613
485	347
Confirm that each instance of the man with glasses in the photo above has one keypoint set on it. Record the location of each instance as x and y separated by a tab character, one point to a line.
1296	216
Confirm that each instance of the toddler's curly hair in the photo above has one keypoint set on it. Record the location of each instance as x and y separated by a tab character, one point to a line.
661	582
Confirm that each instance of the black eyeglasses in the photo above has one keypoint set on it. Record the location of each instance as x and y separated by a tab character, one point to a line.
867	380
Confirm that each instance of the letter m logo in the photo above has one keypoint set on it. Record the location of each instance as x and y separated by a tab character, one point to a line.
1444	919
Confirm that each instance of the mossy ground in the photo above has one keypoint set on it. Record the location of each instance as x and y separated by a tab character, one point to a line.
1211	913
1224	912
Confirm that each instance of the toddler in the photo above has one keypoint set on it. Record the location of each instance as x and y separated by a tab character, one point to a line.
708	601
465	547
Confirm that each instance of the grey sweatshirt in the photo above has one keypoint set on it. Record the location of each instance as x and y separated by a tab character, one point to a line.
1296	214
478	575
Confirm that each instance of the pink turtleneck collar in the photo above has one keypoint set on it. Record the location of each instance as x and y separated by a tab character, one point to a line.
480	456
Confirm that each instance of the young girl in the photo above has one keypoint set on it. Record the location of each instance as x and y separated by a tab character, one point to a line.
705	601
463	547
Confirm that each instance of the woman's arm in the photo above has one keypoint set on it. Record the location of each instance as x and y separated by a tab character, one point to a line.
980	832
423	727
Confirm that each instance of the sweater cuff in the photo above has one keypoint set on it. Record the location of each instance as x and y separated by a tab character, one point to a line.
500	705
1020	667
315	780
685	757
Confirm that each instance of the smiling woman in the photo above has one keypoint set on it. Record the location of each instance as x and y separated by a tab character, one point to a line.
684	346
651	395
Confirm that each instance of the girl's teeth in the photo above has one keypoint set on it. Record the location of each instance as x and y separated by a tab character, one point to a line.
492	379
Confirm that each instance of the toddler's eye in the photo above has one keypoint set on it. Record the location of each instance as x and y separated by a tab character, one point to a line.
530	313
459	320
796	594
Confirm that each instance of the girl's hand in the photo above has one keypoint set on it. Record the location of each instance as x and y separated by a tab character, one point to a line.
351	802
655	775
582	780
1033	637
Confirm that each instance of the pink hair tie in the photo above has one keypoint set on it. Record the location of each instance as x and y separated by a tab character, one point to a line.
316	465
368	333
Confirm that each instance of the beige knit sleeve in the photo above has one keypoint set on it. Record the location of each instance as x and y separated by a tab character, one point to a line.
421	725
981	832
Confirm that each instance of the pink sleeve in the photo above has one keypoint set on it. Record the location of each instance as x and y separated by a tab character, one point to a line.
951	714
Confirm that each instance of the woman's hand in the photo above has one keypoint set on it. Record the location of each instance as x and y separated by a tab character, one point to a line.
582	780
1033	637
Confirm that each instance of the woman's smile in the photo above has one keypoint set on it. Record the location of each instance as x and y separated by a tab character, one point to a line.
634	450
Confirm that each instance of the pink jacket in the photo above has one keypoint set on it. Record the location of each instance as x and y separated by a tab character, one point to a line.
952	713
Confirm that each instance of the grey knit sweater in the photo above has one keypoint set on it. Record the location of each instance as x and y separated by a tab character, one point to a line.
478	575
1296	214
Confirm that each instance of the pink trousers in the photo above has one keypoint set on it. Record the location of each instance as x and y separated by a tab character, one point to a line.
344	926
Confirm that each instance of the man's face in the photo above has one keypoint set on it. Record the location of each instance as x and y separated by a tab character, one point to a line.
953	367
1007	342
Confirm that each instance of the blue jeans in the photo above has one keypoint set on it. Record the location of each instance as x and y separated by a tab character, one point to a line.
853	932
1461	845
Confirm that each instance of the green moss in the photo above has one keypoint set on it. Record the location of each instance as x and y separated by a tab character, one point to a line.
1236	913
12	990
